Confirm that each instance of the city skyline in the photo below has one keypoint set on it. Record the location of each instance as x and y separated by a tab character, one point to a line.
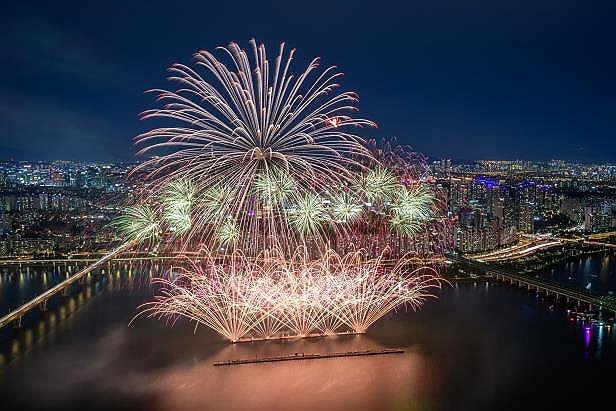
530	81
258	206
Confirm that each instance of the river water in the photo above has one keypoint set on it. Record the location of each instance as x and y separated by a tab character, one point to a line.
479	346
596	273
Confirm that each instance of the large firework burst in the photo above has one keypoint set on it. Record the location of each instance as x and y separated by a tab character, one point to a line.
261	170
248	127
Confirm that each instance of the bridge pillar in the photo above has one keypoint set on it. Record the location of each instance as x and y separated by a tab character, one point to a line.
17	323
43	306
65	292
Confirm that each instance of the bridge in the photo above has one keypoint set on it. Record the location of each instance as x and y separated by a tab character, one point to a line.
522	249
15	316
539	284
69	260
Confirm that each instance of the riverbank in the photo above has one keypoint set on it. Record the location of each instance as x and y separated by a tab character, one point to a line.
543	260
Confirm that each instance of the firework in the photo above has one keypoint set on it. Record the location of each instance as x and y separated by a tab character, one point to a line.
178	201
345	208
411	209
264	167
266	139
274	186
137	224
308	214
378	185
272	295
228	233
266	159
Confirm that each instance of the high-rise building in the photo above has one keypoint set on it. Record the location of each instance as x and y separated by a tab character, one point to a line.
600	215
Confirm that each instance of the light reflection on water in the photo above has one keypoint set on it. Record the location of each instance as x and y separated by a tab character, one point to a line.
597	270
41	327
477	348
350	383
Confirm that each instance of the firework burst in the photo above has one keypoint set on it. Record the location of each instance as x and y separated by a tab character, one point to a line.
264	167
272	295
345	208
177	202
253	130
137	224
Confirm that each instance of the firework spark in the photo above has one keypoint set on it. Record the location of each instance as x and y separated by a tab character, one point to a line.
228	233
252	127
275	186
178	201
345	208
413	207
272	295
308	215
138	223
377	185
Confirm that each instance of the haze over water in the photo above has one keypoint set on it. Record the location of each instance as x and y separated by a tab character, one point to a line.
479	347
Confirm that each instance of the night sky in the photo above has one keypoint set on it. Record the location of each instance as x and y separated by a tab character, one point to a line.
460	79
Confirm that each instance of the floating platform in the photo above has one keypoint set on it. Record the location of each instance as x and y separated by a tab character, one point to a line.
303	356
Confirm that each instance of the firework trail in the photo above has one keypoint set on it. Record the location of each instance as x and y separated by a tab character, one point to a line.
258	136
243	297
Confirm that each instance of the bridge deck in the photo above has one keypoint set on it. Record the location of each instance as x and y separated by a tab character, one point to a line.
16	314
538	283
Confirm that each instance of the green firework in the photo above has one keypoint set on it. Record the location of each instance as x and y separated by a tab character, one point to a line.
137	223
274	186
178	199
345	208
308	215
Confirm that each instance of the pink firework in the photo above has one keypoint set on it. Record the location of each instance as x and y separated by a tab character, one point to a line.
272	296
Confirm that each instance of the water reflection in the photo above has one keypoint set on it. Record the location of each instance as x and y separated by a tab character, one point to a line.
361	383
482	346
40	327
596	272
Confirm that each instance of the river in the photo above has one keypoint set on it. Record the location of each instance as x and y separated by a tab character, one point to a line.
596	272
479	346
